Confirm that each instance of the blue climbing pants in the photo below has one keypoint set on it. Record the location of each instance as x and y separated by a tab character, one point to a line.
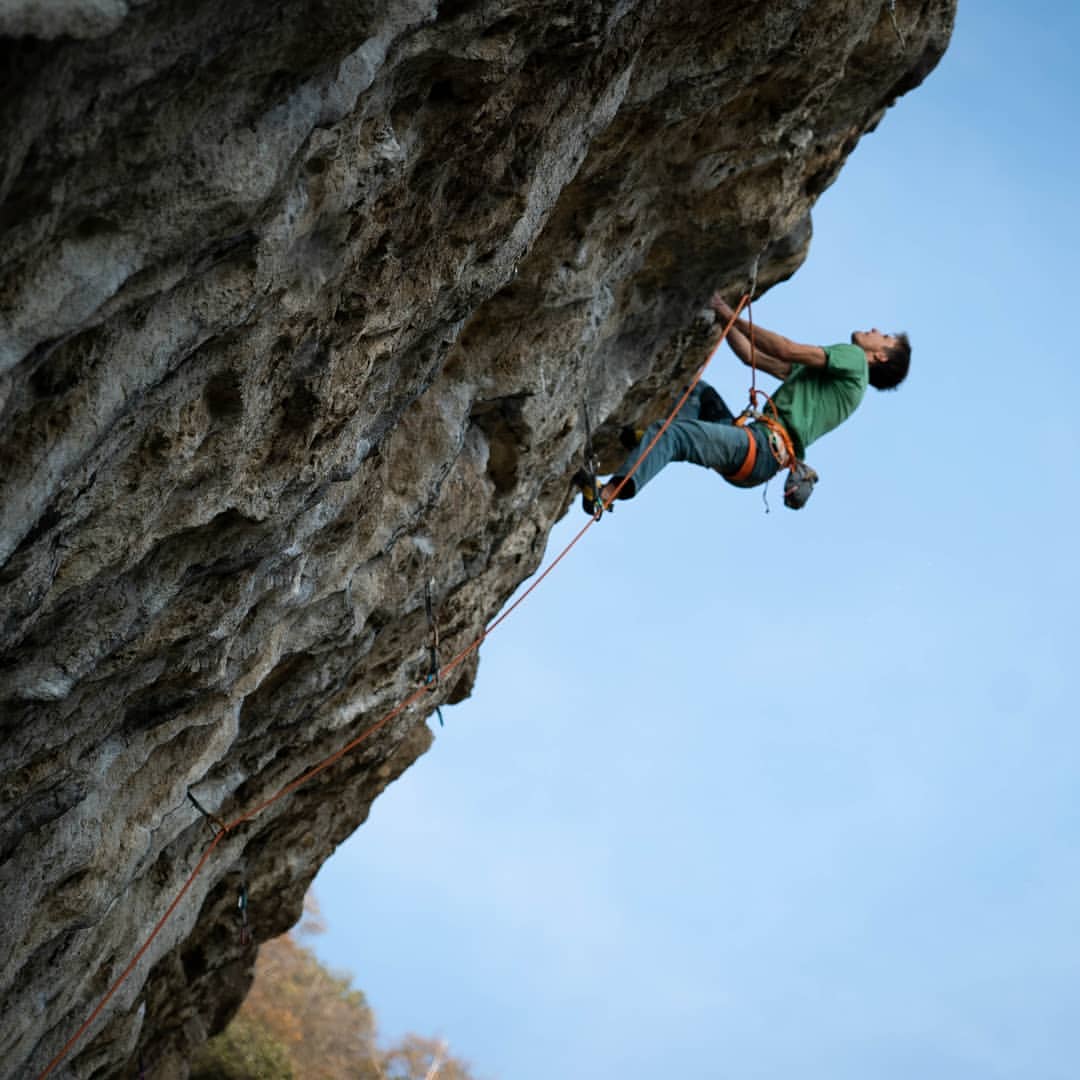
714	443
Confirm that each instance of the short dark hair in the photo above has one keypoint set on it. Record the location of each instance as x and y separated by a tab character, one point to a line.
889	373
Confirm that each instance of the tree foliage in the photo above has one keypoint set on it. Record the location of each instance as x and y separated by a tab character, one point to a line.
303	1022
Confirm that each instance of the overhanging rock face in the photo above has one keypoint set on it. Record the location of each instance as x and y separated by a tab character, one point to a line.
299	303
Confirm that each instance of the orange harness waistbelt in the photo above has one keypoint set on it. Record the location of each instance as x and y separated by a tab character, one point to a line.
780	445
742	473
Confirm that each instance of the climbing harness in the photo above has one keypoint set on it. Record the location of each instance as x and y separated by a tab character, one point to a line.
776	436
253	812
740	476
779	441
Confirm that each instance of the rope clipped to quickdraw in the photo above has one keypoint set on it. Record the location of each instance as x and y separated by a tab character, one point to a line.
753	353
432	680
217	826
242	914
752	411
753	278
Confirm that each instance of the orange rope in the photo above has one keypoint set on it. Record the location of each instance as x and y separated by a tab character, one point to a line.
373	728
682	401
773	423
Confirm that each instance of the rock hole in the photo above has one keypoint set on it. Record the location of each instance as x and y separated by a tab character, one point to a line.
224	396
94	225
194	961
300	410
501	422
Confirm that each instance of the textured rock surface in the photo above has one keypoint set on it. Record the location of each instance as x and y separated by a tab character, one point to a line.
298	306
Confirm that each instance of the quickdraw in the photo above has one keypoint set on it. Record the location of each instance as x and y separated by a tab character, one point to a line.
242	914
216	824
432	680
896	25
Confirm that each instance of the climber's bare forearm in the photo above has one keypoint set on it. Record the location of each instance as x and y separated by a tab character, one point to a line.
740	346
781	348
776	345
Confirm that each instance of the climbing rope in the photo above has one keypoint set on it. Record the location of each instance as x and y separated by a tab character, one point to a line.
801	478
753	352
224	829
761	414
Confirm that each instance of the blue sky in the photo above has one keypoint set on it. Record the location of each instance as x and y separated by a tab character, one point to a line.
799	797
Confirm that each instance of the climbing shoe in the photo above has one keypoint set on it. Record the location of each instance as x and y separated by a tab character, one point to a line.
590	492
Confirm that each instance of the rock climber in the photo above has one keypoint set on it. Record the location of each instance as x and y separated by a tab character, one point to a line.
821	388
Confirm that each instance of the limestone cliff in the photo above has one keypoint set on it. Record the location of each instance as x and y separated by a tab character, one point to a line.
299	303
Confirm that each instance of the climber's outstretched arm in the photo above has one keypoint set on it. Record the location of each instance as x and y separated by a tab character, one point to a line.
776	345
740	346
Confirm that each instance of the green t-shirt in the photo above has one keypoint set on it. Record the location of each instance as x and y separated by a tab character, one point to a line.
814	400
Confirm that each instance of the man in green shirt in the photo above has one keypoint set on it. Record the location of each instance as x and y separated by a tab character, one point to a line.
821	388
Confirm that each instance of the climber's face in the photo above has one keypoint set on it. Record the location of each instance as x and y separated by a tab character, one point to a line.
874	343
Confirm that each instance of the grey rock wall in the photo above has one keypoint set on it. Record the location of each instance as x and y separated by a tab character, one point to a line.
299	303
